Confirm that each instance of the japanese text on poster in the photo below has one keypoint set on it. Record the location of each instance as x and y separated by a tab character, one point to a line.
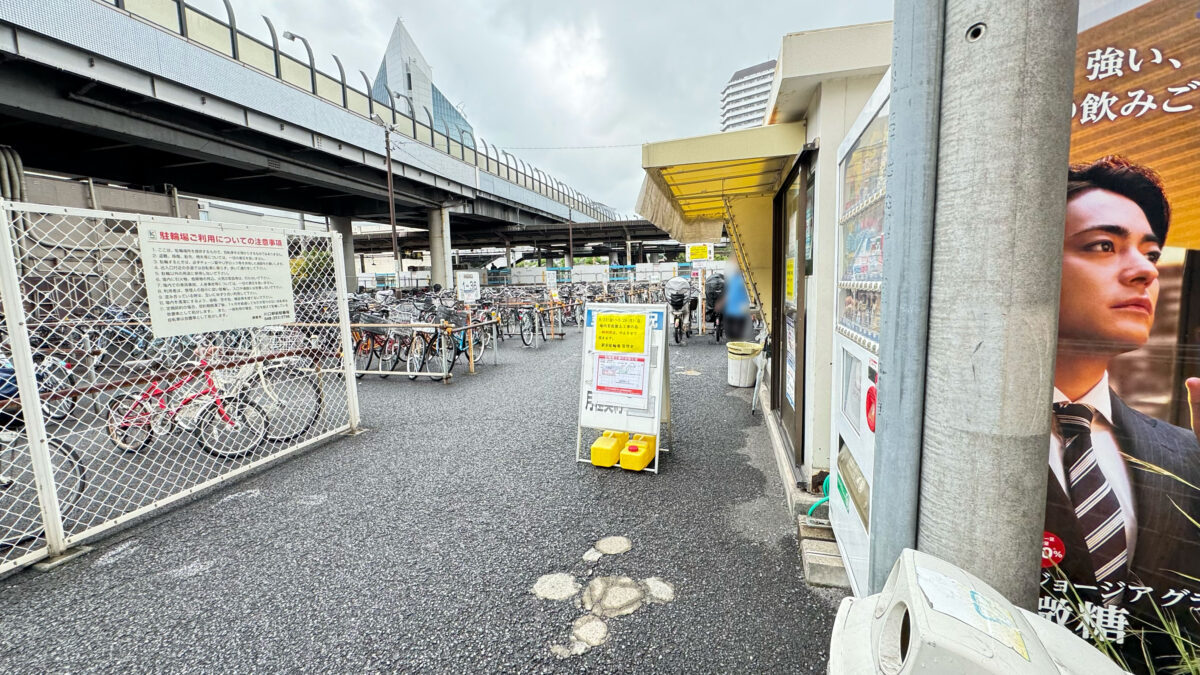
622	380
699	252
199	279
621	333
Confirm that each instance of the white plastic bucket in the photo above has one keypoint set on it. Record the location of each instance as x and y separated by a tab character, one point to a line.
743	367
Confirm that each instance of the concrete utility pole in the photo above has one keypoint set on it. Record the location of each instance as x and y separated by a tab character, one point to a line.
1003	142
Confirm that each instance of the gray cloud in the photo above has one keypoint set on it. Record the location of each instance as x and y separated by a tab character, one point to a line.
563	73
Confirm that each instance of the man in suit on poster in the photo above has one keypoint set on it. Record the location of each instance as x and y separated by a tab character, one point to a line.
1119	523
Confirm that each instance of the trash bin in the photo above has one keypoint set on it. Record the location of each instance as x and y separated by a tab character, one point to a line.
742	364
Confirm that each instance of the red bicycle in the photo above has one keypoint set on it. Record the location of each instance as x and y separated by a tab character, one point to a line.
226	422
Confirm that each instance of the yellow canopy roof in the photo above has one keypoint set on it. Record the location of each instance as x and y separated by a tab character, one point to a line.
688	181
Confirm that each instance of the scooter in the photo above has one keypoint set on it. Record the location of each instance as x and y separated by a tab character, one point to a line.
683	304
714	293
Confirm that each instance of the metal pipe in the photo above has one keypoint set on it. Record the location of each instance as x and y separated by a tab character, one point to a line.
274	47
412	112
342	76
181	11
370	94
233	31
915	107
312	61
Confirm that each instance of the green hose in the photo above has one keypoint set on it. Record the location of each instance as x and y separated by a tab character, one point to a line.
822	500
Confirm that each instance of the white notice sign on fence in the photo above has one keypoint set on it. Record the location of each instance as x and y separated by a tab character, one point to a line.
204	278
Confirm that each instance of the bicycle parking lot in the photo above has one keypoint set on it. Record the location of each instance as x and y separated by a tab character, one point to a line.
415	546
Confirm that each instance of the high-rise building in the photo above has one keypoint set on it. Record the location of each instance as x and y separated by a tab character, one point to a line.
404	70
744	98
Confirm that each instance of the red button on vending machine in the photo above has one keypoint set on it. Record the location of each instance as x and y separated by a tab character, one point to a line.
871	408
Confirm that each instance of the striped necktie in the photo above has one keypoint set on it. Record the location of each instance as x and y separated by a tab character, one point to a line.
1096	506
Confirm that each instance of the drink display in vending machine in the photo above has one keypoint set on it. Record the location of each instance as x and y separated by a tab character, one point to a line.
862	159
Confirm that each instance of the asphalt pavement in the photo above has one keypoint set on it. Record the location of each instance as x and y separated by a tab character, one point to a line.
415	547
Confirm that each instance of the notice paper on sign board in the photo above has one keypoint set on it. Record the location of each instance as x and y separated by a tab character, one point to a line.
622	380
205	278
468	286
699	252
622	333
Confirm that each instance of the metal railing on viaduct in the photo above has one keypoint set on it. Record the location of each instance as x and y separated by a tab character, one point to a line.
175	41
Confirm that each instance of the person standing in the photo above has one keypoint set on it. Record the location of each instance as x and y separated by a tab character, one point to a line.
736	305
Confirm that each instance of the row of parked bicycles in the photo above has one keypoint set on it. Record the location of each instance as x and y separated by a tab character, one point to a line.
428	333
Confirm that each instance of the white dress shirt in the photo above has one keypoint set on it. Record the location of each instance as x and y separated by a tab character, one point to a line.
1108	454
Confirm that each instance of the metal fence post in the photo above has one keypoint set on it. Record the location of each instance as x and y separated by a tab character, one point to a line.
31	402
447	343
339	267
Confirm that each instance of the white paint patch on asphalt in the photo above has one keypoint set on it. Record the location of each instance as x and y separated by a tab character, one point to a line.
556	586
312	500
658	591
614	545
244	494
689	372
122	550
590	629
613	596
605	597
190	570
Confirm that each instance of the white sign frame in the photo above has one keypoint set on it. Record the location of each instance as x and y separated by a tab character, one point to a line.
657	413
166	249
466	285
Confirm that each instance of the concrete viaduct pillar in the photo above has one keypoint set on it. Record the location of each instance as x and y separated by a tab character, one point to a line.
441	267
344	226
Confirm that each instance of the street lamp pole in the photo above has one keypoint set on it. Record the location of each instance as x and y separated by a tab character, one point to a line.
387	142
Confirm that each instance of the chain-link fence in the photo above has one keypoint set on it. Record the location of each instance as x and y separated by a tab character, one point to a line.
147	358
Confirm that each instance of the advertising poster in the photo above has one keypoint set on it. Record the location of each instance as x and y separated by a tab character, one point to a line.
1121	547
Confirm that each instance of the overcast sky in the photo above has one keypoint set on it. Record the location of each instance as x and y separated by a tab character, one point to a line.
562	73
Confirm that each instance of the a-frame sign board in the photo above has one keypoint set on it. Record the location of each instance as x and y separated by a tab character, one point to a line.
625	384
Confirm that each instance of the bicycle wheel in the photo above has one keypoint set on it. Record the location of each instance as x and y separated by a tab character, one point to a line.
541	325
416	356
54	377
130	422
289	398
440	358
678	331
388	354
364	354
20	508
527	329
238	432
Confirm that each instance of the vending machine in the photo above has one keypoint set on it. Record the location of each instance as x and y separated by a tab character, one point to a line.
862	160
